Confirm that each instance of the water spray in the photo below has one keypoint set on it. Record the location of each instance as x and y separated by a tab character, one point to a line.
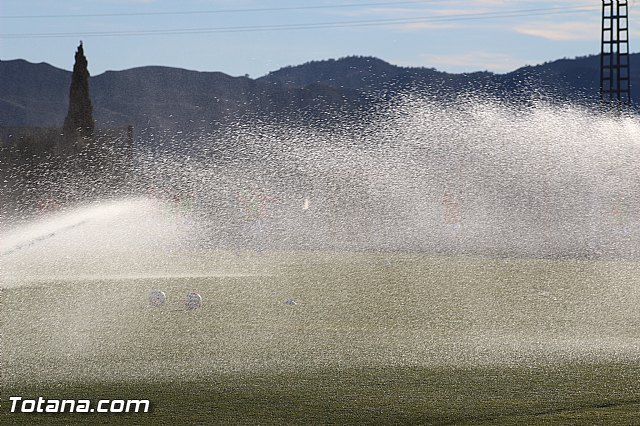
40	238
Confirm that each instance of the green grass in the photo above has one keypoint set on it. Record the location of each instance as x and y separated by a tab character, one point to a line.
375	338
565	394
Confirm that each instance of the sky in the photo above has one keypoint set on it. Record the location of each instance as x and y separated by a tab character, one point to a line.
253	37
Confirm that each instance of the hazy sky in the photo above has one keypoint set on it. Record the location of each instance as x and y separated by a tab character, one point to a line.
257	36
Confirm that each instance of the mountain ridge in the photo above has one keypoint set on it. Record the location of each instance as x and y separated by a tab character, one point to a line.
170	98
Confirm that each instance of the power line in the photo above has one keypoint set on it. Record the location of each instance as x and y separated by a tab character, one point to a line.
217	11
309	26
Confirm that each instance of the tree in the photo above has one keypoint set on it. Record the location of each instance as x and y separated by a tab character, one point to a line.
79	121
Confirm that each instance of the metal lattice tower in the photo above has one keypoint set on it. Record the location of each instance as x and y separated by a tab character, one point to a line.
614	55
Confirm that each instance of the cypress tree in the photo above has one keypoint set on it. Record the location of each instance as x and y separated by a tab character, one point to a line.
79	120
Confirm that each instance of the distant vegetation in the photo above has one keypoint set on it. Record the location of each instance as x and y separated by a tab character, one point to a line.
43	165
79	121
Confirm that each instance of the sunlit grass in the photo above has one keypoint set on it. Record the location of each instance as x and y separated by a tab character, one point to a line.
374	337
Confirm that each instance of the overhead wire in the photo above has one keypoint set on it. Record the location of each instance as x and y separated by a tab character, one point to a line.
310	26
222	11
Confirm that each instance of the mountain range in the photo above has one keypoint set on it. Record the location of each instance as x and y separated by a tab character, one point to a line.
154	97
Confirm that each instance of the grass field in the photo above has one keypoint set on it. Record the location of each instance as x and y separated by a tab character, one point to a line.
373	338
